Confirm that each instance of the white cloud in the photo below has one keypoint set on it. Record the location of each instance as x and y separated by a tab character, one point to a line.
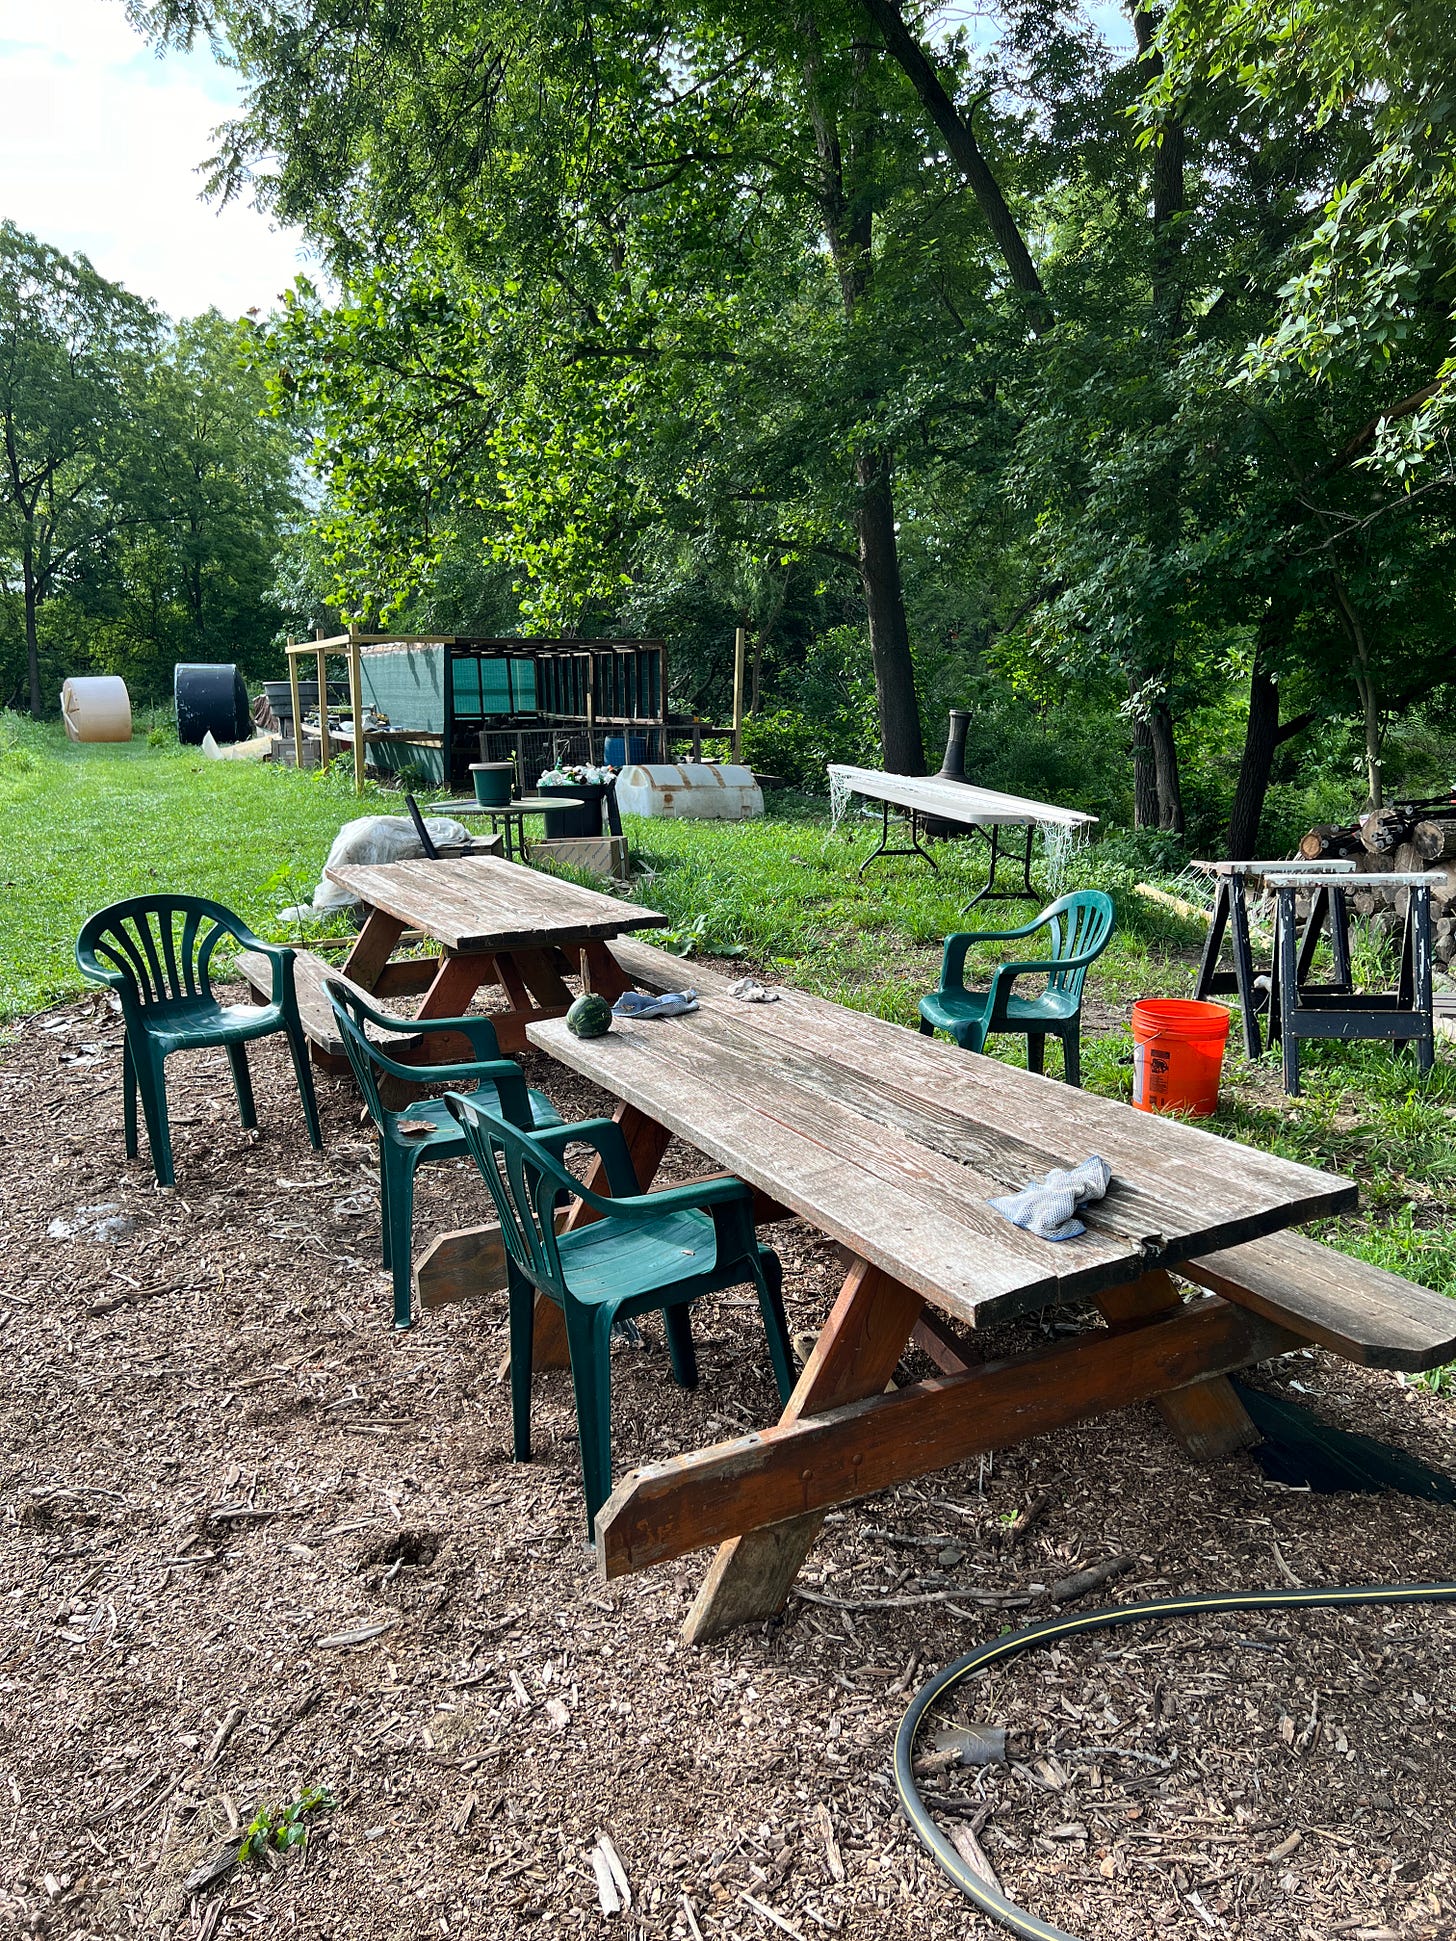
101	145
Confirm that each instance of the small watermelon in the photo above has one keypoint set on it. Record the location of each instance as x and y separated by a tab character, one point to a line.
589	1017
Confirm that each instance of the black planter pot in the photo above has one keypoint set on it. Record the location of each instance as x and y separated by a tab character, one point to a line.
585	821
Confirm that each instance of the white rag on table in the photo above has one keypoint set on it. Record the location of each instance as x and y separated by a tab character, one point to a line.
1048	1207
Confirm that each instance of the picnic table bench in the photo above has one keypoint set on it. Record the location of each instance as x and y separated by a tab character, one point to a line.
892	1144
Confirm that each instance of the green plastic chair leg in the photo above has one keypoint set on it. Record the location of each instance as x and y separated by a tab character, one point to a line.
927	1029
523	1342
129	1101
399	1217
678	1324
1072	1055
384	1202
589	1335
303	1071
243	1086
775	1321
1036	1051
152	1084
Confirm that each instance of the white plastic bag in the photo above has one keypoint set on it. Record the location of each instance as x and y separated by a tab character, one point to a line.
373	839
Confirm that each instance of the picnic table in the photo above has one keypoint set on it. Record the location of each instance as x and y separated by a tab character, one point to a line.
892	1144
495	923
928	799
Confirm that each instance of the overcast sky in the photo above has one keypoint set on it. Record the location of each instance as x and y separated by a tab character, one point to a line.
100	146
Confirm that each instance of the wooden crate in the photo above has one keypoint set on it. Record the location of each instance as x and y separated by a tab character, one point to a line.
599	855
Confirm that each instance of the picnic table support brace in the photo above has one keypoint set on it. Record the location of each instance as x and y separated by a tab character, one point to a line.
1207	1418
840	1454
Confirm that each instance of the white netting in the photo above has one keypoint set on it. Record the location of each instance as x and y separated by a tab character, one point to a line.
1058	840
841	794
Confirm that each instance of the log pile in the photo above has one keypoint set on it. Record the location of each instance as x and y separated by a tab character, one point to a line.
1405	836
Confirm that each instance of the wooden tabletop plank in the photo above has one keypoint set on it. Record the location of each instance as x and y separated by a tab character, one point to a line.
484	904
892	1144
1199	1174
900	1206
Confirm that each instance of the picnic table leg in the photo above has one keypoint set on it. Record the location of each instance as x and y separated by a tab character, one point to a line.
600	971
373	948
1208	1419
854	1357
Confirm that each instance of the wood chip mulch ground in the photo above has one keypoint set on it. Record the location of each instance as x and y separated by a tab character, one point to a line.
256	1543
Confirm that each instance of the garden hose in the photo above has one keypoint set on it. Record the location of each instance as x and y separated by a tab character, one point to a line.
973	1885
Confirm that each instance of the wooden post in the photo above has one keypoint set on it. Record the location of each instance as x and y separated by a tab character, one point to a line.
356	703
297	706
322	660
740	645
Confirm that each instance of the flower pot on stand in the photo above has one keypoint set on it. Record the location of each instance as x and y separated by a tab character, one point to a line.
492	782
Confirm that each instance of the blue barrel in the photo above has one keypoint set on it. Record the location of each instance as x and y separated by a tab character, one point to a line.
620	750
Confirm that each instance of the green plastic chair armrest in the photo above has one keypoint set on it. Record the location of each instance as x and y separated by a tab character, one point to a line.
953	956
627	1201
605	1136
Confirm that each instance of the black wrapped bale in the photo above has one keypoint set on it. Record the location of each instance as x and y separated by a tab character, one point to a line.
210	697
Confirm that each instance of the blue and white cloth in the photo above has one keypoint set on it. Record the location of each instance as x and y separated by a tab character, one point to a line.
1048	1207
672	1004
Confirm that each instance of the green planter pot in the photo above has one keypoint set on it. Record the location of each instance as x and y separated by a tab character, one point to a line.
492	782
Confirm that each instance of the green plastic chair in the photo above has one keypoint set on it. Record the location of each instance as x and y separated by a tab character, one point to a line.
1080	926
501	1083
645	1250
156	952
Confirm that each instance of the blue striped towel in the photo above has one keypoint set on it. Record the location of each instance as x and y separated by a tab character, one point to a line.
1048	1207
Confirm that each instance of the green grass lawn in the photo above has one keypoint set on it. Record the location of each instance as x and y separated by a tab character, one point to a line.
81	827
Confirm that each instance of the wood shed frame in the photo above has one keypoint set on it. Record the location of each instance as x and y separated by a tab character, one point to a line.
433	687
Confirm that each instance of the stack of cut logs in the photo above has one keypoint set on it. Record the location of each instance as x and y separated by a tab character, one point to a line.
1405	836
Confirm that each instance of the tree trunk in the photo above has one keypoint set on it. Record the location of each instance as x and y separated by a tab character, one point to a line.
32	640
848	214
1165	768
1261	738
1144	775
879	565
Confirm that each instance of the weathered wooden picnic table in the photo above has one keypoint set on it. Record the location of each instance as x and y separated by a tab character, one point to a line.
495	923
892	1144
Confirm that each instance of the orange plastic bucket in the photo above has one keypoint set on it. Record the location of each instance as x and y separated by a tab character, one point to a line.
1177	1055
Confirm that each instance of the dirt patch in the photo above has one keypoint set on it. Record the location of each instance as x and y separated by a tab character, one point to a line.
233	1497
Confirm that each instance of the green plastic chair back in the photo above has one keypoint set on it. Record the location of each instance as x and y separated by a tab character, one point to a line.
1080	925
643	1251
157	949
501	1079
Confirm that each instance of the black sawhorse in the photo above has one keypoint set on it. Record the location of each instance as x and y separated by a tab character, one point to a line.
1231	914
1299	1009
